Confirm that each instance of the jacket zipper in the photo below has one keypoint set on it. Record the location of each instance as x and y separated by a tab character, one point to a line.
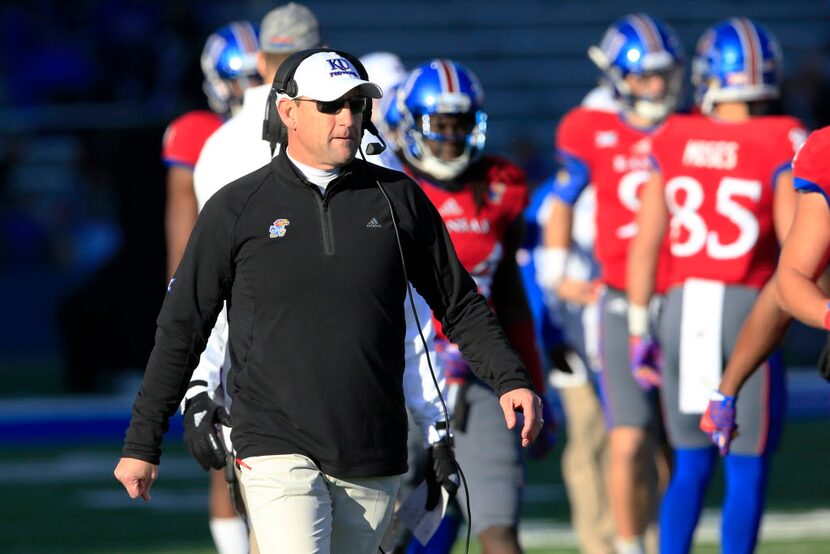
325	216
325	219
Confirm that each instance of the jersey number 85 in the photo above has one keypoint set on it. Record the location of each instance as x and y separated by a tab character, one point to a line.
699	235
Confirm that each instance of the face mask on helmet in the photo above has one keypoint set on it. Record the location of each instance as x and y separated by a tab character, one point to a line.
441	127
642	59
736	60
229	65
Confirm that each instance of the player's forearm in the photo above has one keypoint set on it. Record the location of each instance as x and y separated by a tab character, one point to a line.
179	218
176	232
640	272
799	296
644	249
180	214
552	261
559	225
761	332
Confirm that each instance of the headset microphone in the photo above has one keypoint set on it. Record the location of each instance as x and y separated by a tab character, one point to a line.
374	148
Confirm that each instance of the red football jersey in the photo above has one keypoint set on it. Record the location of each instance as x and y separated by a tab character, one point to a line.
186	135
719	179
600	148
478	233
811	165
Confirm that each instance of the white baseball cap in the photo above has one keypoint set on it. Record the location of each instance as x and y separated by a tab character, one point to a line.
327	76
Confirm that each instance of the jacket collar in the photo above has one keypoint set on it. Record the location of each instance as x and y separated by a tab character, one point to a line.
285	171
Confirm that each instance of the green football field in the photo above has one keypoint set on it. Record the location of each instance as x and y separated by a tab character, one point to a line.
65	500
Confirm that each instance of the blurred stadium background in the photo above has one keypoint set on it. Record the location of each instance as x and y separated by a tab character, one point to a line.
86	90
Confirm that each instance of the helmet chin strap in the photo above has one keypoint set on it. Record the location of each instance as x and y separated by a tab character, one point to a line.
429	163
651	110
445	170
716	94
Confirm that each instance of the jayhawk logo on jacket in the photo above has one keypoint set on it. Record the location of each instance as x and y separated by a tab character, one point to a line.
277	228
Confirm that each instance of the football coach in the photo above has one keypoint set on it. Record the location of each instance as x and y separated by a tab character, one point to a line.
312	253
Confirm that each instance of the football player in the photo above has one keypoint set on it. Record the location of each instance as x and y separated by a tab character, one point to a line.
566	334
440	137
806	250
229	66
766	325
715	190
642	60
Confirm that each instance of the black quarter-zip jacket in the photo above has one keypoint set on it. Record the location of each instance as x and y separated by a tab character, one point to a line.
315	307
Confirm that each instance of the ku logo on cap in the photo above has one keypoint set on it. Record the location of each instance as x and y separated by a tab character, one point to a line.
340	66
339	63
277	228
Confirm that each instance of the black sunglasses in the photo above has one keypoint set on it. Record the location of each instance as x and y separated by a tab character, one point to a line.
357	104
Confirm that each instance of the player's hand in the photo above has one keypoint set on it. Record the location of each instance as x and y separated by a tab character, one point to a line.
577	292
137	476
546	441
202	434
718	421
442	471
526	402
646	362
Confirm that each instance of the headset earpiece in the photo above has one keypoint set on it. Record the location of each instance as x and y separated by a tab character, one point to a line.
271	122
291	88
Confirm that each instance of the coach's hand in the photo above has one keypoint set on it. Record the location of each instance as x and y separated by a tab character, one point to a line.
137	476
442	471
202	435
525	401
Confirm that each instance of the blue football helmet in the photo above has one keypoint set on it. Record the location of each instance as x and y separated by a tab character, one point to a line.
230	55
438	87
736	60
638	44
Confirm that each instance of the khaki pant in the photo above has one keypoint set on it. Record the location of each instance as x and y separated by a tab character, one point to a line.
584	463
294	507
253	547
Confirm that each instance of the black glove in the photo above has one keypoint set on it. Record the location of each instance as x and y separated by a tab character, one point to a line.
442	471
202	436
824	360
559	358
